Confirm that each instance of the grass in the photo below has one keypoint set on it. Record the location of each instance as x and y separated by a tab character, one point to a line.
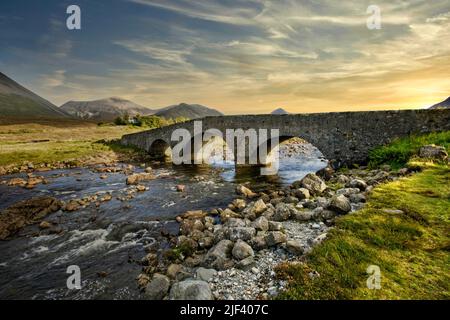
48	143
398	153
410	242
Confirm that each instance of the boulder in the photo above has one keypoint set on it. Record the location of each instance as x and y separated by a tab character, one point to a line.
347	191
261	224
246	192
340	204
240	233
302	193
357	183
158	287
246	264
433	152
326	173
275	226
294	247
191	290
304	216
357	198
313	183
187	226
205	274
45	225
239	204
173	270
227	214
275	237
139	177
258	242
283	212
343	179
194	214
25	213
242	250
254	209
235	222
218	257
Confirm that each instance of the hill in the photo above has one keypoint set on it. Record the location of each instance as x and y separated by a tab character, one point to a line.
442	105
18	102
105	109
190	111
279	111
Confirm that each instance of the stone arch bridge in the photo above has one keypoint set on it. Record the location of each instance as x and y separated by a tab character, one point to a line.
343	138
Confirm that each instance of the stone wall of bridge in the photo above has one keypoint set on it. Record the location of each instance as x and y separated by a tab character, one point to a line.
343	138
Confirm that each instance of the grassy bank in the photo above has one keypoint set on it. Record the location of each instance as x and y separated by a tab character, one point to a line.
404	229
45	143
398	153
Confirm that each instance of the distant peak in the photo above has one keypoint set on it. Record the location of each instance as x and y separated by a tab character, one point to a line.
279	111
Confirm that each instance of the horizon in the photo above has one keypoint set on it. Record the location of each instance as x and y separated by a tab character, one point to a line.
254	57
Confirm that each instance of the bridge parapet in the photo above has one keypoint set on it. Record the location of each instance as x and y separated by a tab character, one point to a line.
343	137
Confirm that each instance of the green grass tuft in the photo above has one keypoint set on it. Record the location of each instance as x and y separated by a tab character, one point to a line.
398	153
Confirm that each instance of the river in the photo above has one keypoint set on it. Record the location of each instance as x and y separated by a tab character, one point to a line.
108	241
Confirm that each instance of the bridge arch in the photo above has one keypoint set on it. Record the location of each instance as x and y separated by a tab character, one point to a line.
160	149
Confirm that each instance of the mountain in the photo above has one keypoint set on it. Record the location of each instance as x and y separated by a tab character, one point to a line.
442	105
190	111
105	109
279	111
18	102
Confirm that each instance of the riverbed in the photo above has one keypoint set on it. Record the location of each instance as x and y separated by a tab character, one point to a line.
108	241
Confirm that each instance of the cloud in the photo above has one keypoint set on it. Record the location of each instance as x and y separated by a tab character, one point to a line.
158	51
239	12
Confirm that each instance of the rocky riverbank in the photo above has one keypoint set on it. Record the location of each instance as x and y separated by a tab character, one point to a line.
232	253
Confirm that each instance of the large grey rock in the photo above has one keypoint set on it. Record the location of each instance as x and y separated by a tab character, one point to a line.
259	242
191	290
275	226
235	222
304	216
246	192
340	204
433	152
246	264
254	209
347	191
261	224
205	274
240	233
313	183
242	250
157	288
275	237
357	183
294	247
302	193
283	212
173	270
357	198
219	256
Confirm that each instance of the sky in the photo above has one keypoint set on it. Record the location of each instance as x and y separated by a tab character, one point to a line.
240	57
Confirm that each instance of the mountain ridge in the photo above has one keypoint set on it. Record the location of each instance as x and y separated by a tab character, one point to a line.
106	109
190	111
16	101
442	105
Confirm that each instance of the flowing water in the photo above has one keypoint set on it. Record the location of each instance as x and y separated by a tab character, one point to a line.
108	241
